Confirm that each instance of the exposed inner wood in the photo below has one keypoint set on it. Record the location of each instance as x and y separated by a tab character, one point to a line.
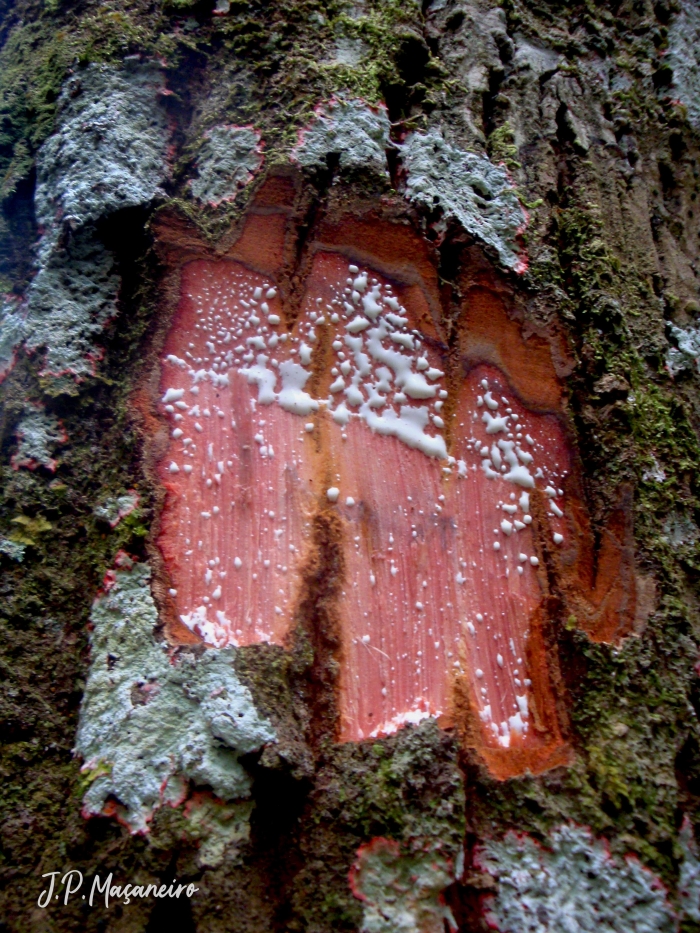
450	474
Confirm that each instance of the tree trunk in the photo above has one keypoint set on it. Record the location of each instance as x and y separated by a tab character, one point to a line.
349	361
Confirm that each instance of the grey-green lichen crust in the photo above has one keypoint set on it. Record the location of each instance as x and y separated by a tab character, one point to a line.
687	353
11	332
351	131
468	188
151	719
402	891
113	509
689	880
227	160
72	297
38	435
109	149
626	788
12	549
108	152
572	884
684	58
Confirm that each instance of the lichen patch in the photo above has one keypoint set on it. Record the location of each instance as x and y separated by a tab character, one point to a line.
402	891
38	434
150	721
571	883
227	161
469	189
108	152
349	131
12	329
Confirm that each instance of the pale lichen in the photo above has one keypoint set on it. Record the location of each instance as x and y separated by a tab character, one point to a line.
12	549
467	188
115	508
689	880
684	58
109	149
150	719
349	131
679	529
38	435
221	828
109	152
11	332
71	299
572	884
687	354
228	159
402	891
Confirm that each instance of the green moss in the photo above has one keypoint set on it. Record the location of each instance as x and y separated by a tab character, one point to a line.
501	146
294	61
29	529
33	63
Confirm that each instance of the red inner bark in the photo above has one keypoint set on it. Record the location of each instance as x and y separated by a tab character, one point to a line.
255	449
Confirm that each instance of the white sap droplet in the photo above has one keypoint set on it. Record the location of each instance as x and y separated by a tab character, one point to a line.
495	425
357	325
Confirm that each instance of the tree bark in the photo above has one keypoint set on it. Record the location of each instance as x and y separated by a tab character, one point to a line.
349	361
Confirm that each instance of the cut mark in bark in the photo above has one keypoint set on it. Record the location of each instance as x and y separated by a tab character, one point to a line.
452	497
235	519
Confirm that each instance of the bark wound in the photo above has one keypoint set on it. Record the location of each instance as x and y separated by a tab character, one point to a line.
414	508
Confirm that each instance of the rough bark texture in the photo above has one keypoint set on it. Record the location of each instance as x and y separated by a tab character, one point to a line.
526	174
